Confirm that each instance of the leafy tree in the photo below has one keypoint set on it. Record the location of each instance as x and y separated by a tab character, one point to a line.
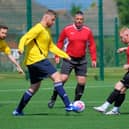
123	6
74	9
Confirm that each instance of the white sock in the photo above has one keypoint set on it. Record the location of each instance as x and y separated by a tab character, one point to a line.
115	109
105	105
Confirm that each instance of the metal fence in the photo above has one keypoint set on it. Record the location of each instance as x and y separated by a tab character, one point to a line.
14	14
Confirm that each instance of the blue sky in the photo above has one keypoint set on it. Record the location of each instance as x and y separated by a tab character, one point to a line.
64	4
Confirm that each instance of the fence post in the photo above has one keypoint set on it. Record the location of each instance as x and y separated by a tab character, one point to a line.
28	14
57	28
57	35
116	42
101	48
29	24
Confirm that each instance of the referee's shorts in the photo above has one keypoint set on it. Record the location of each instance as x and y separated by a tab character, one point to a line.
78	64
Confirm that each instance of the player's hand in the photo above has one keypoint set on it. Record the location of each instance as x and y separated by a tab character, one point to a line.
94	64
57	60
20	70
69	58
20	52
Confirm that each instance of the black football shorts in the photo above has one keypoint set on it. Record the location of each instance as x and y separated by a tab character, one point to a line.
79	65
125	80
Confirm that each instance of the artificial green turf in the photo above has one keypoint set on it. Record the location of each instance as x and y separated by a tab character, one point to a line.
38	116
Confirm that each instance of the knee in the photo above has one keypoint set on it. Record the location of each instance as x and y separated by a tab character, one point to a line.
81	80
56	77
118	86
123	90
64	78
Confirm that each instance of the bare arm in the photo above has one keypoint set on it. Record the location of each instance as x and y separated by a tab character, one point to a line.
12	59
122	49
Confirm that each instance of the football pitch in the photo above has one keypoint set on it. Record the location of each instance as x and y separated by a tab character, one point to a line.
39	116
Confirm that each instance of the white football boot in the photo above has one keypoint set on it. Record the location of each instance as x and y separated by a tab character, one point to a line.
100	109
112	113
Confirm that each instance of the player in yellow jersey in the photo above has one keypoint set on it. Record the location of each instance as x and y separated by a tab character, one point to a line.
38	43
6	49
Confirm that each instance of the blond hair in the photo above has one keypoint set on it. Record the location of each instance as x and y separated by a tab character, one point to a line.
123	29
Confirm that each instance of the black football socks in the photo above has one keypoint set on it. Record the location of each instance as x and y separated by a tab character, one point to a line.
119	100
113	96
79	91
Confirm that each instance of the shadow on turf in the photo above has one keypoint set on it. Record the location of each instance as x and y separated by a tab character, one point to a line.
37	114
55	114
124	113
121	113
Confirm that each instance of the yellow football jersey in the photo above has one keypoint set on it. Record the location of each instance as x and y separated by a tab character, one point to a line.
36	52
4	47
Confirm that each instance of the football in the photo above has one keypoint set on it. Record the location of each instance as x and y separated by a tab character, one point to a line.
80	104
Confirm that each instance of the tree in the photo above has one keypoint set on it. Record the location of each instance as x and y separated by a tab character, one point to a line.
74	9
123	6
